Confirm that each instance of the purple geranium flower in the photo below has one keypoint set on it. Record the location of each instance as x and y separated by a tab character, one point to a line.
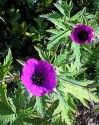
82	34
38	77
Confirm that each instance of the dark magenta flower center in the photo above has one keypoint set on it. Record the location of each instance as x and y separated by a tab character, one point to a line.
38	78
83	36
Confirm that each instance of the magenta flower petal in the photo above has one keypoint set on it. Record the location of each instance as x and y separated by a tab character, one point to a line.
29	67
82	34
38	77
37	90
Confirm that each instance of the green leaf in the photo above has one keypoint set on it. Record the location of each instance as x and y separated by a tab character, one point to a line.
96	29
48	2
12	105
96	4
27	34
31	121
90	16
20	100
76	16
21	62
6	114
97	17
54	31
3	96
52	107
31	1
8	59
60	59
71	103
72	70
58	6
53	15
26	113
70	6
5	68
42	54
55	120
58	23
2	2
1	72
76	54
55	40
23	26
78	92
62	109
39	105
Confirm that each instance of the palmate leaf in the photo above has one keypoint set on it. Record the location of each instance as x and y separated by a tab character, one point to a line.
62	109
62	114
64	117
79	92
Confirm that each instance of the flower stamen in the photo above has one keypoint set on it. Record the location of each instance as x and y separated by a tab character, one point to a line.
38	78
83	36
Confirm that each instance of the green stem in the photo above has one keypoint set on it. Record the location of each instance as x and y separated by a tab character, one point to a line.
10	74
10	79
